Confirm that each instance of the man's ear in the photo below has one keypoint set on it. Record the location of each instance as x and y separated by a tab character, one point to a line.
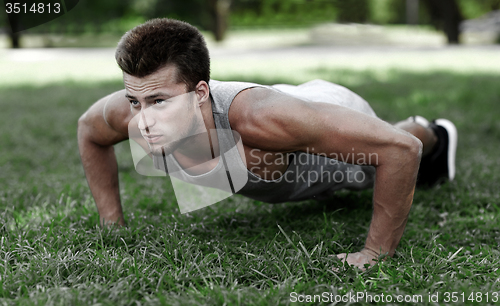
202	92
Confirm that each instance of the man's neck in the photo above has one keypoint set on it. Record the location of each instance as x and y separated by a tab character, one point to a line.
203	146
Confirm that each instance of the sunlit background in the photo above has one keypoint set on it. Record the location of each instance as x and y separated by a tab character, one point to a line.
273	38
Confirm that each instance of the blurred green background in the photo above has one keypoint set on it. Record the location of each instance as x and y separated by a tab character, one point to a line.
393	53
94	23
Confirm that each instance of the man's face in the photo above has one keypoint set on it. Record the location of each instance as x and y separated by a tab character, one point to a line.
164	112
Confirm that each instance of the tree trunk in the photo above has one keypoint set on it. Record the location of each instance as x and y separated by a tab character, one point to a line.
446	17
14	39
220	14
13	32
412	12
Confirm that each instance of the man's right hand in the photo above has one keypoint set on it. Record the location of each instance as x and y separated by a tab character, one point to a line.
104	124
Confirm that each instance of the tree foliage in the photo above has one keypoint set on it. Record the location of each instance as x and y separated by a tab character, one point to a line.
118	16
357	11
248	13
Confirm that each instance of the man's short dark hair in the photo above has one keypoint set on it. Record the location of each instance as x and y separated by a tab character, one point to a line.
160	42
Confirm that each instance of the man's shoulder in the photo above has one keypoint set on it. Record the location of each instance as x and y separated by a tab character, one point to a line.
228	90
221	85
256	108
116	111
252	100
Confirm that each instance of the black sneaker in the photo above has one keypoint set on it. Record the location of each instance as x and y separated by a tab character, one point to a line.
439	165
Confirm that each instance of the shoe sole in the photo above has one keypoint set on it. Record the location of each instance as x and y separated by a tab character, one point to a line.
452	144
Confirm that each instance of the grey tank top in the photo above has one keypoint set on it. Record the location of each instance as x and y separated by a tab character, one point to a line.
307	176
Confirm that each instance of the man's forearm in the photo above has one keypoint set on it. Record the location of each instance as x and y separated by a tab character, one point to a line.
101	170
392	200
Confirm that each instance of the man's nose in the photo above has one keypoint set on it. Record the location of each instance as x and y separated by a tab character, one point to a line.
146	121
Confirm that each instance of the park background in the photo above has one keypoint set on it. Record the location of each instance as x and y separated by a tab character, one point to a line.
405	59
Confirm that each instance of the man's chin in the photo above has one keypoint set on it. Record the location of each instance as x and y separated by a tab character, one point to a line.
158	150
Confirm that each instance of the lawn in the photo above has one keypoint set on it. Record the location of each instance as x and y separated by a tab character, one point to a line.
239	251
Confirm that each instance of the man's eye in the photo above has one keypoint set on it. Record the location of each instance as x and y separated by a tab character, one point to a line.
159	101
134	103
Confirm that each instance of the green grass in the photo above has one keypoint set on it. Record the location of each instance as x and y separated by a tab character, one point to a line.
239	251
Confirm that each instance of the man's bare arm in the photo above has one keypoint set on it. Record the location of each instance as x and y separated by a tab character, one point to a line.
278	122
96	137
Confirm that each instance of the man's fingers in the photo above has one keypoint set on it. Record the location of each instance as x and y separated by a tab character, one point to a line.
357	259
341	256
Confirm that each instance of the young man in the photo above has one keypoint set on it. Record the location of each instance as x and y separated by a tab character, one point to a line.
171	101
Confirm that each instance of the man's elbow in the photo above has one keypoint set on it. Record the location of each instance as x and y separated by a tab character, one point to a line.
416	148
83	126
83	119
410	148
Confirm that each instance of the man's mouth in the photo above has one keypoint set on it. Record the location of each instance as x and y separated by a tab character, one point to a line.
151	138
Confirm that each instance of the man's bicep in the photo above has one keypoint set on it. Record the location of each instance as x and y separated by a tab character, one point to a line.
323	128
274	121
353	136
106	121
